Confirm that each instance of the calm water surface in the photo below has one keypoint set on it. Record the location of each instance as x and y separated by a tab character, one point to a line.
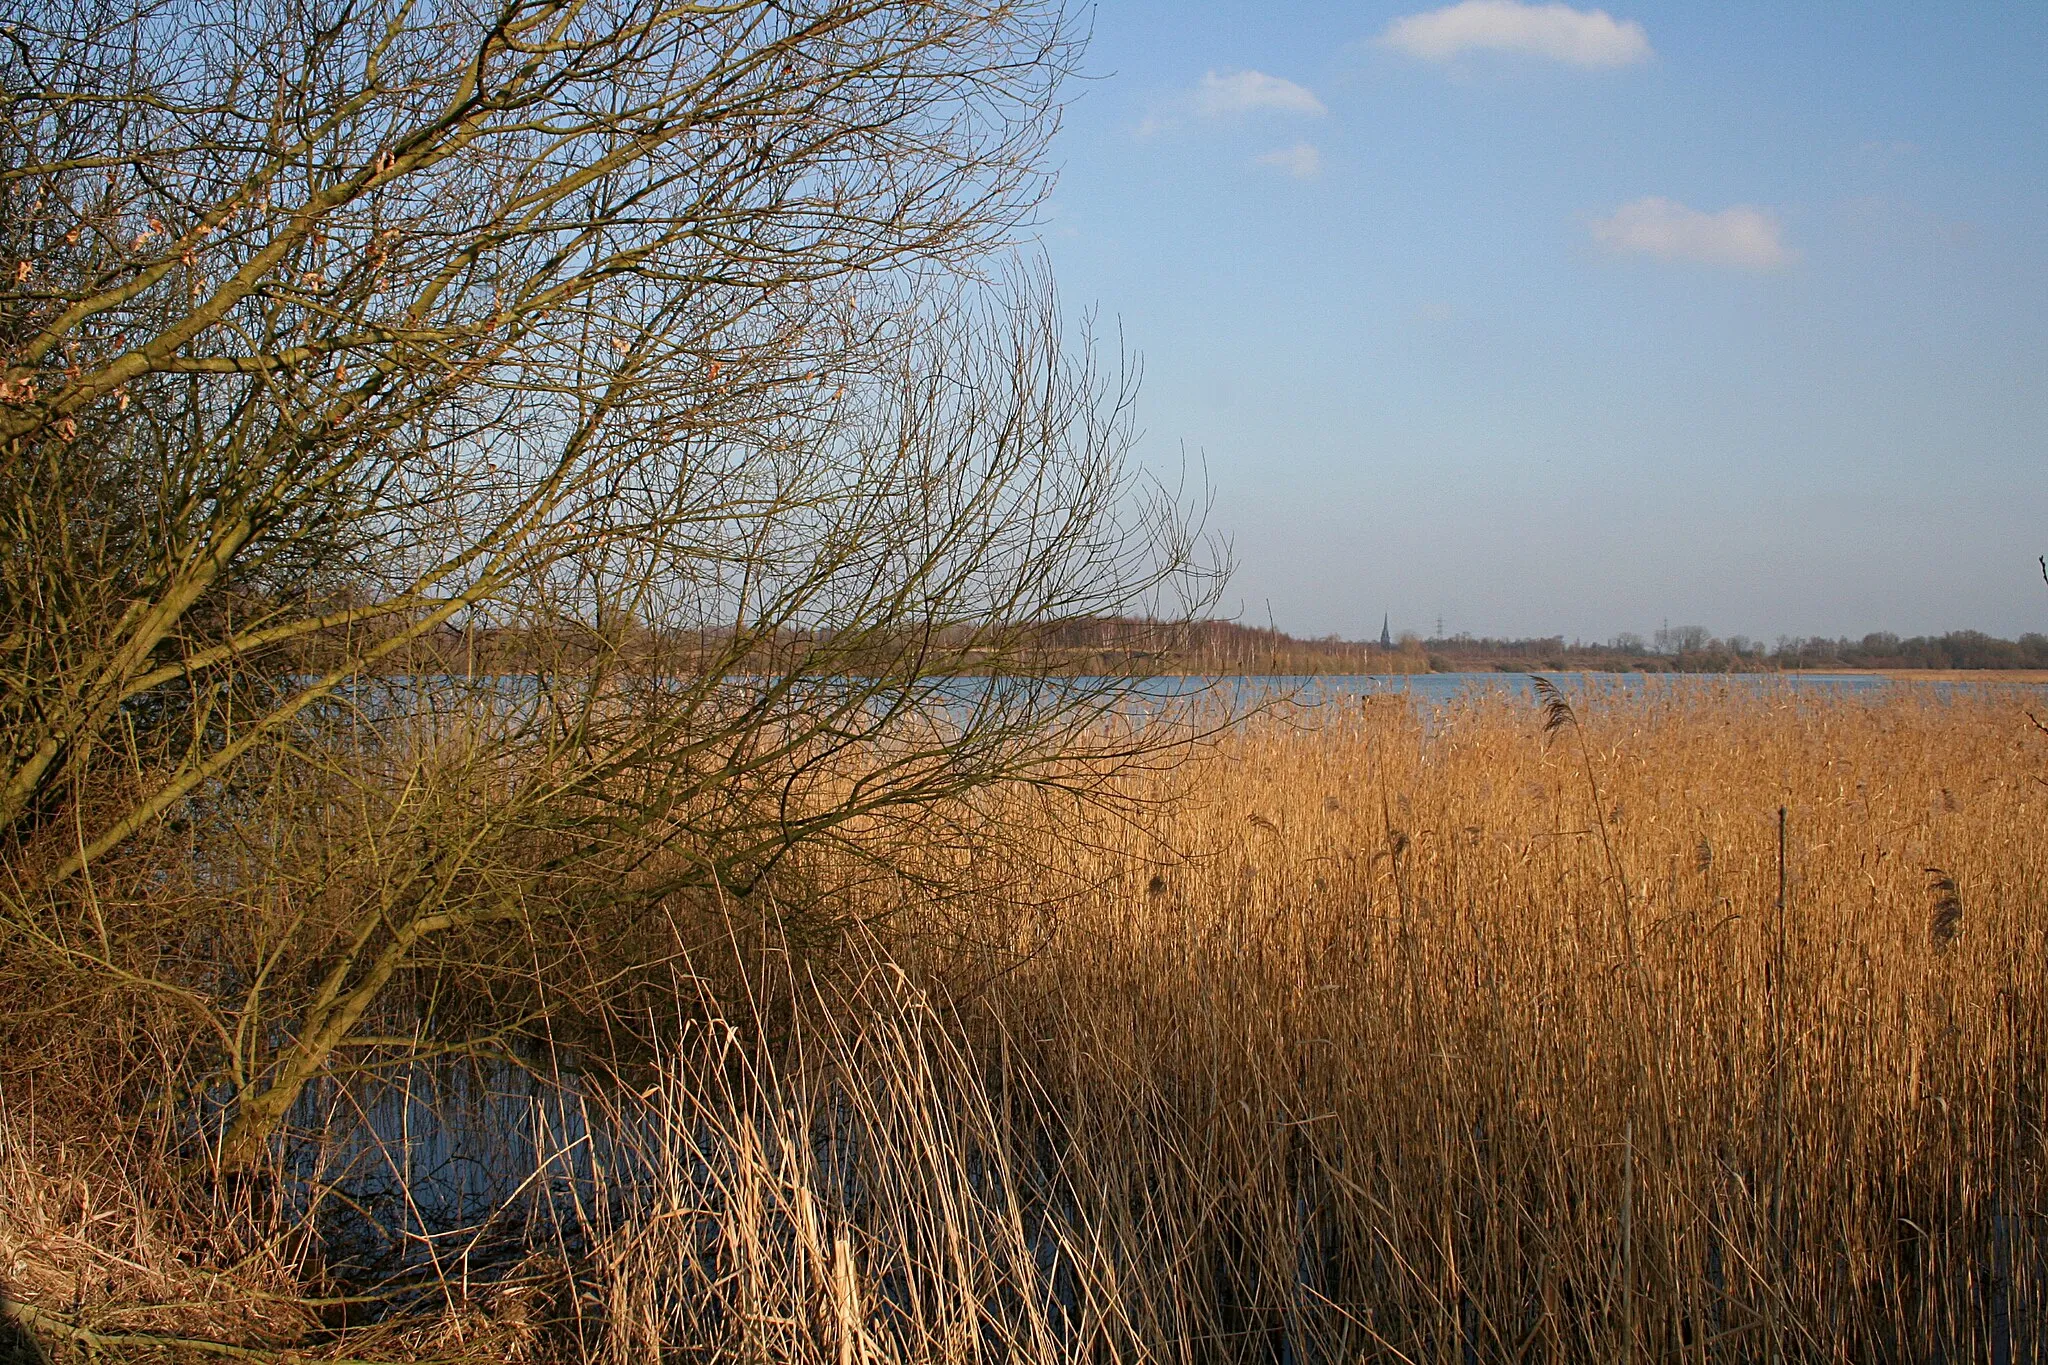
1439	689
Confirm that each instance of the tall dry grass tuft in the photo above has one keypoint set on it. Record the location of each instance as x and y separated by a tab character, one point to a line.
851	1191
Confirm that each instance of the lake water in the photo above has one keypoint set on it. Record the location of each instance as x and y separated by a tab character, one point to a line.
1442	688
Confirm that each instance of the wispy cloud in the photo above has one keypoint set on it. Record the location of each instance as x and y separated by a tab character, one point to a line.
1225	93
1234	94
1742	237
1590	38
1302	160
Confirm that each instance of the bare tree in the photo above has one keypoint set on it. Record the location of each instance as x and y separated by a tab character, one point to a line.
477	472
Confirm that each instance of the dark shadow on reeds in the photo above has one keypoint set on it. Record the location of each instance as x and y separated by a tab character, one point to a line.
18	1344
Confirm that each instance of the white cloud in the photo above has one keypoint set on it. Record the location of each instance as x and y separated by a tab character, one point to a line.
1743	237
1234	94
1223	94
1588	38
1302	160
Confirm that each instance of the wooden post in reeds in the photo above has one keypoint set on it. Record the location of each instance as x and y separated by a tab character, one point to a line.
1776	1292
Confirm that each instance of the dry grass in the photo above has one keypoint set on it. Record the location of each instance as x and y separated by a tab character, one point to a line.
1456	1079
100	1247
1363	1045
1363	1038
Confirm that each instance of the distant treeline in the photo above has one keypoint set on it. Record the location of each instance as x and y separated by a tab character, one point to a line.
1220	647
1693	649
1101	646
1227	647
1957	649
1120	645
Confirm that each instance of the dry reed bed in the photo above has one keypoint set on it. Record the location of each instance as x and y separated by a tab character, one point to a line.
1394	1015
1364	1036
1371	1038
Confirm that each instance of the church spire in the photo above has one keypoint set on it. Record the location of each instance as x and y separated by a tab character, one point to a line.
1386	636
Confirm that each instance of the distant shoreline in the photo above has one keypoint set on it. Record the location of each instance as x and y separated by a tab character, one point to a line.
2016	675
2019	676
2027	677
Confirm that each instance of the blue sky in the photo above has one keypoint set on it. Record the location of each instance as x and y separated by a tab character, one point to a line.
1543	319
